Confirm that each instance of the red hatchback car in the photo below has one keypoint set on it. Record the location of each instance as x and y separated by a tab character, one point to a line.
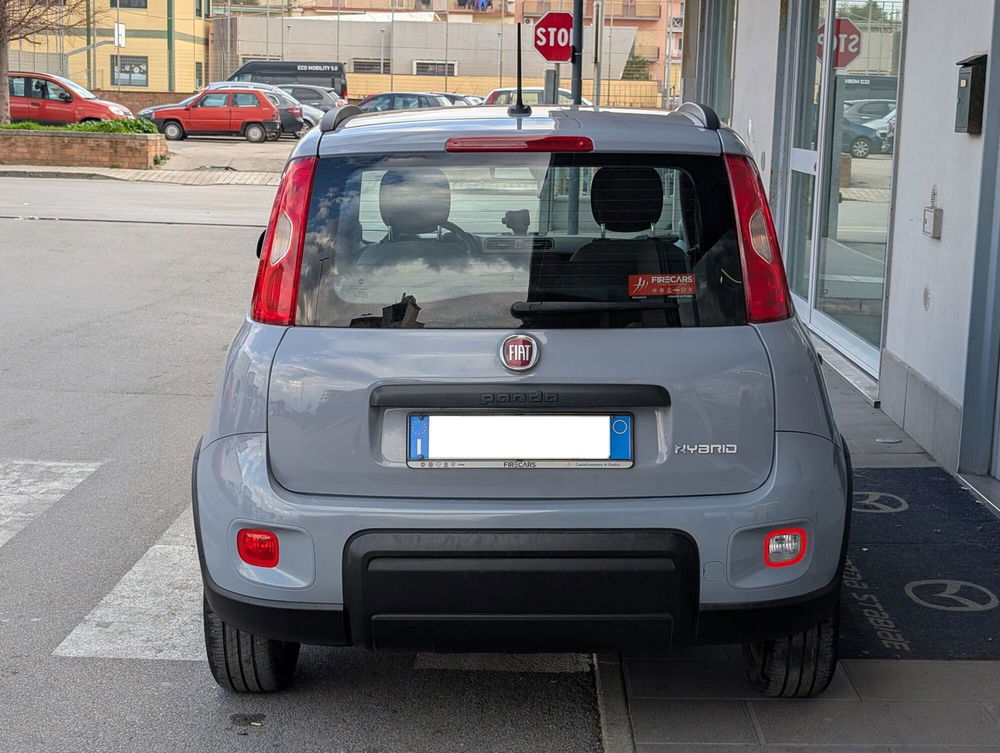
54	100
238	112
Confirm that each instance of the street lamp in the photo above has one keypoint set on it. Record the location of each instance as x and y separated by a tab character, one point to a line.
381	50
500	56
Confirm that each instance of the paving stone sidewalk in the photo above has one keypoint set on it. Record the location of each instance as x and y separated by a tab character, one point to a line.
210	177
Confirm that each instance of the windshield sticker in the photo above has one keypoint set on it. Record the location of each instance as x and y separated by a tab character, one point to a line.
641	286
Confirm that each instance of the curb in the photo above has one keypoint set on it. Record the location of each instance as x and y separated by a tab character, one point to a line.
56	174
612	704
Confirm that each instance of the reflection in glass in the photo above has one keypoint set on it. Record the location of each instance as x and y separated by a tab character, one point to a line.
854	219
799	250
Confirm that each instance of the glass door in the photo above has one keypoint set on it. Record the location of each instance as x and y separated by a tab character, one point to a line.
859	110
844	72
806	80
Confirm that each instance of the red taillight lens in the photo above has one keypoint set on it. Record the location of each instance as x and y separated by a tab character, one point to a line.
784	547
277	288
764	282
258	547
519	144
295	110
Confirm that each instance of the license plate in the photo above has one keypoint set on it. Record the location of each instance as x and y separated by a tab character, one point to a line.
520	441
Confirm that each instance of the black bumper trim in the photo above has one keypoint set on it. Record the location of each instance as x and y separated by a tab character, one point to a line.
533	397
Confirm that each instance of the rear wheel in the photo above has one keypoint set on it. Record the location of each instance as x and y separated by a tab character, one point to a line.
797	666
246	663
255	133
173	131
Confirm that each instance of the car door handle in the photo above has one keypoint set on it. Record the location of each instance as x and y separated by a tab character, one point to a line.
34	104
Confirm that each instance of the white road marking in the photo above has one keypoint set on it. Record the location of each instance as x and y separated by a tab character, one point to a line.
154	612
30	487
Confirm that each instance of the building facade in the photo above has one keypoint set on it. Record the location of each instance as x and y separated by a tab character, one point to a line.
892	250
166	47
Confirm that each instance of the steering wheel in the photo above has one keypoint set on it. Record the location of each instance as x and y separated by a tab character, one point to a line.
472	244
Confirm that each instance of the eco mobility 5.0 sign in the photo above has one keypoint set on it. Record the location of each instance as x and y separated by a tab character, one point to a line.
552	36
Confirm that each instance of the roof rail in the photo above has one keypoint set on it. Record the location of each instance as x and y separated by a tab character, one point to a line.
700	115
335	118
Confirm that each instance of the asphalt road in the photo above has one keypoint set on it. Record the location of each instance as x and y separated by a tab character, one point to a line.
118	304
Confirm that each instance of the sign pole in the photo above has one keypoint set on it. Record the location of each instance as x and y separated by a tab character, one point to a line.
576	88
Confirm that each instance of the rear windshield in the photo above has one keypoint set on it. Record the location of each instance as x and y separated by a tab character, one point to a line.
521	241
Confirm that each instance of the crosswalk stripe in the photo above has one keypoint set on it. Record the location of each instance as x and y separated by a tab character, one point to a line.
30	487
154	612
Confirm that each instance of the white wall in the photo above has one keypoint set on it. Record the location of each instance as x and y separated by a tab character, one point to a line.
932	343
755	70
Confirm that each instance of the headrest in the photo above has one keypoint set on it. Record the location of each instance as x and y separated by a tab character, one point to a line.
414	200
626	199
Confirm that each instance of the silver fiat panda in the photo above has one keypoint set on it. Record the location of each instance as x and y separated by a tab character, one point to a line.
522	382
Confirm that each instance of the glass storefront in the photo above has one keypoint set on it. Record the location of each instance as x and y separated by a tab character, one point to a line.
840	166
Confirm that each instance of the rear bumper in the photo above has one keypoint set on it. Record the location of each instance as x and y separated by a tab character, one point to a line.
578	575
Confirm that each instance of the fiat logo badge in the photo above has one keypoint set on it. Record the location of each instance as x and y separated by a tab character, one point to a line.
519	352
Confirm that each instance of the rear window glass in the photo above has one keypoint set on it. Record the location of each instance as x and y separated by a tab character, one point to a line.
521	241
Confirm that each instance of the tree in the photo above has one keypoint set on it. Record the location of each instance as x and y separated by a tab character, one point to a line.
866	11
25	19
636	69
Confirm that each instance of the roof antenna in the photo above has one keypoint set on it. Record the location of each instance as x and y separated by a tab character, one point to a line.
519	108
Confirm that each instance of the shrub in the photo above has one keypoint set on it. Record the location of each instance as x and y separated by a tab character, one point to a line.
120	125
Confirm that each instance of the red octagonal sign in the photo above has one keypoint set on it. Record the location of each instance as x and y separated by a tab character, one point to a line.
846	42
553	33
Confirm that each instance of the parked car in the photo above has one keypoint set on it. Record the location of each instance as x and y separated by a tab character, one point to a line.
885	128
864	110
315	96
313	73
294	121
403	101
529	95
461	100
522	383
53	100
859	140
242	112
147	112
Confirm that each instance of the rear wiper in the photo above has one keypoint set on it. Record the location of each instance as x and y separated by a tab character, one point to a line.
521	309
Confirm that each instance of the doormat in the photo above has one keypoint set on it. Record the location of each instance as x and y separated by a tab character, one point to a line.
922	579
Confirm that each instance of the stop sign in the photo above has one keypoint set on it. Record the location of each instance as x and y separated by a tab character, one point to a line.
552	36
846	42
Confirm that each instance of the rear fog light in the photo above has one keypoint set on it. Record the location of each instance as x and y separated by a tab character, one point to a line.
258	547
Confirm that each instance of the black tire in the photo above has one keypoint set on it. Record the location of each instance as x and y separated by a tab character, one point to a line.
173	131
861	147
255	133
247	663
799	666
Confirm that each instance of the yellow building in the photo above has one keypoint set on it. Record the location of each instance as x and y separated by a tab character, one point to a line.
166	47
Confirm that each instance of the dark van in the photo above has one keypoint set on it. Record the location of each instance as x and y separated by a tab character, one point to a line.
327	75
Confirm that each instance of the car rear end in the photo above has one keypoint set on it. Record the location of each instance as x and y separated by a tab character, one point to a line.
531	385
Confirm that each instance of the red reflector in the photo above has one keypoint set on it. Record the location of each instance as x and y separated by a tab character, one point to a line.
519	144
257	547
276	291
784	547
764	283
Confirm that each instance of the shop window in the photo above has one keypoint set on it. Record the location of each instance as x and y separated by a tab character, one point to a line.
129	4
199	75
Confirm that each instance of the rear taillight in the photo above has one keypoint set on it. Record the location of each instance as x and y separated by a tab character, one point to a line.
785	547
277	288
296	111
764	282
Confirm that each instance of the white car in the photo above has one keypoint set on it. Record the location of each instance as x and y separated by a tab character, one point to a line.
530	96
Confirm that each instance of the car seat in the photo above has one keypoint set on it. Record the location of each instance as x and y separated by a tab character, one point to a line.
412	203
